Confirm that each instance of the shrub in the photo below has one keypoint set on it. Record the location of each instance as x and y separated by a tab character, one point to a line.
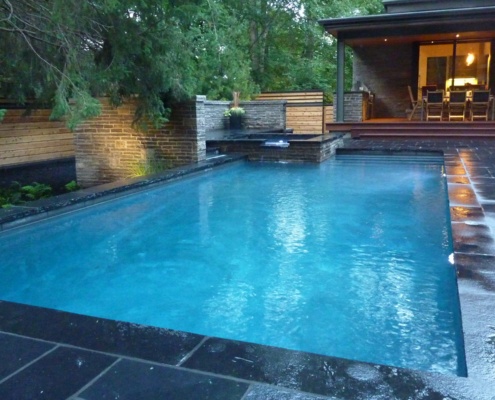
36	191
149	167
72	186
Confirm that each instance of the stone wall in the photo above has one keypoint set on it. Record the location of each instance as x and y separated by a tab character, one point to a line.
356	106
386	70
262	114
313	151
214	118
259	114
108	148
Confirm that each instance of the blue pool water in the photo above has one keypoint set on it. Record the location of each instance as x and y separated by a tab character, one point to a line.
348	258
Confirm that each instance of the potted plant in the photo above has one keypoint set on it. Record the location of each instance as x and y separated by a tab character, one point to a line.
235	113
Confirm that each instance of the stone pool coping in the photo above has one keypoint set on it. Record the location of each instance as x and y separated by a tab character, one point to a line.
87	358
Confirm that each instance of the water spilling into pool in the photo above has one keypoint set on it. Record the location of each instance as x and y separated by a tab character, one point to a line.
349	258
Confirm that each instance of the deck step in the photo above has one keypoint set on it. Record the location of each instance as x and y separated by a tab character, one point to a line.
416	129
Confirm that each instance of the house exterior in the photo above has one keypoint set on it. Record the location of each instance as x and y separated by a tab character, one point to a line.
441	43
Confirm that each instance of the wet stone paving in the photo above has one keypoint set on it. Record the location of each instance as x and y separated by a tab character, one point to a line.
48	354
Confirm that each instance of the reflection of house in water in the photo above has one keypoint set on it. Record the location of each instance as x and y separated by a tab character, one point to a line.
446	44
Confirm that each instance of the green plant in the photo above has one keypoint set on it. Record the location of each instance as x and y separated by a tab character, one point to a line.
10	196
149	167
2	114
71	186
36	191
237	111
17	194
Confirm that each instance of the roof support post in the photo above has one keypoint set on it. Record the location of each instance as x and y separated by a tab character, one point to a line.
340	79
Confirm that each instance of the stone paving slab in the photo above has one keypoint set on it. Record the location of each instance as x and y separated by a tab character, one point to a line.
55	376
19	351
130	379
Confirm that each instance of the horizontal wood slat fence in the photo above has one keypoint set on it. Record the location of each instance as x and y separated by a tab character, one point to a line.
26	138
306	112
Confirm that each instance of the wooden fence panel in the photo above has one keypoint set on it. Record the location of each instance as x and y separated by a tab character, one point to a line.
328	114
305	111
16	116
293	97
304	119
32	137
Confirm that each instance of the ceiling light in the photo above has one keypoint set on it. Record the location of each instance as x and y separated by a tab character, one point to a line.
469	59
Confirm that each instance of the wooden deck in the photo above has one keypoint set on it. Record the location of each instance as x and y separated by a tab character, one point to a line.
404	128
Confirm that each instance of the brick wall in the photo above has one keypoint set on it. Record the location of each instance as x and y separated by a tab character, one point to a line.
386	70
108	148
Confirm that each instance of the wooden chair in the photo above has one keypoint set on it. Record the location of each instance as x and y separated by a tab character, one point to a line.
457	105
434	105
414	103
479	105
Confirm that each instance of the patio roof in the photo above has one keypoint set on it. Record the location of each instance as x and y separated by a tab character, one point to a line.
419	26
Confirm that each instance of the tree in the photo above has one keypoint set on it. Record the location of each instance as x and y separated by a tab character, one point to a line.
288	49
218	45
66	53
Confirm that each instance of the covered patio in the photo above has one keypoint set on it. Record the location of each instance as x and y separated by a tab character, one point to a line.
424	45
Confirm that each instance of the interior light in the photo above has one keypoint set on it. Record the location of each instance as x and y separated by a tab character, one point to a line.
385	40
469	59
457	36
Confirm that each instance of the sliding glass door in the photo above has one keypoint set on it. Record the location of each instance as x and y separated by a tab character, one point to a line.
454	65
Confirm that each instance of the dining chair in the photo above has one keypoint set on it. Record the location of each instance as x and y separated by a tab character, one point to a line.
414	103
434	105
457	105
480	104
427	88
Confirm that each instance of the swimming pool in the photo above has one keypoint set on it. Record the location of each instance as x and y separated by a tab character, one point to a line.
348	258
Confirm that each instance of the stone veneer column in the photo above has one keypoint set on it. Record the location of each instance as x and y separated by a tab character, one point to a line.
354	107
108	148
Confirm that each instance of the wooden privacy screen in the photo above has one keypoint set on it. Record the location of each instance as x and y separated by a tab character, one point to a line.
305	112
32	138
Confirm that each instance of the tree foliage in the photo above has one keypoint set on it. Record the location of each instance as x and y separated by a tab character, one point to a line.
67	53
